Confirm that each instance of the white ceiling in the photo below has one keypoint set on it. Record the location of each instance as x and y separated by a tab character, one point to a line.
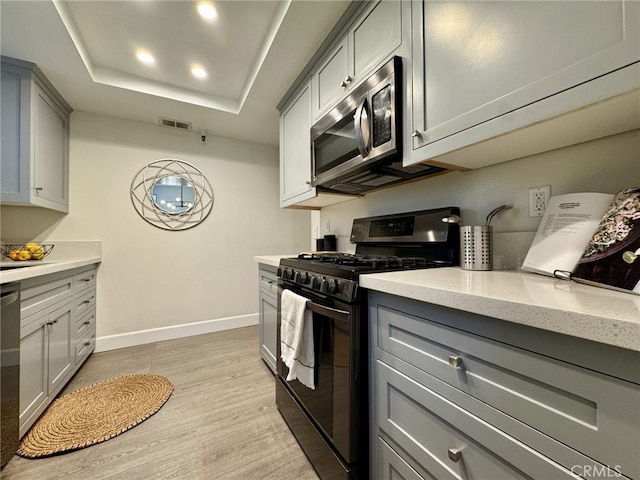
253	51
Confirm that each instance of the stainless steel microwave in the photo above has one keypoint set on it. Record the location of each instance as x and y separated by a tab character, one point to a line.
357	146
362	129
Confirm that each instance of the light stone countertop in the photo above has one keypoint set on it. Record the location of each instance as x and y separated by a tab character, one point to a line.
561	306
65	255
272	260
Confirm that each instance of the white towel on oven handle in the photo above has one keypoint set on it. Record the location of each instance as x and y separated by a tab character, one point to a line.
296	338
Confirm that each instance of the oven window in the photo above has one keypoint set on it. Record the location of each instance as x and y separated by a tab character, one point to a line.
328	404
336	145
319	402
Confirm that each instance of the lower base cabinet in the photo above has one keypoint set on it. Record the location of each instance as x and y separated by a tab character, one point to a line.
54	338
456	395
268	312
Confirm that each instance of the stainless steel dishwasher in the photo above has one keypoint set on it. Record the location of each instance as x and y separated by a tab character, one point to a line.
9	370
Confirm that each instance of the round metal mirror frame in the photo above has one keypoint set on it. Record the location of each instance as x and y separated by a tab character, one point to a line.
142	194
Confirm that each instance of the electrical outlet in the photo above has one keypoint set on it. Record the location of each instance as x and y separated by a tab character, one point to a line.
538	199
327	226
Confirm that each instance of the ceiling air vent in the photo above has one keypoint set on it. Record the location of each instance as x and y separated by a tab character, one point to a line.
180	125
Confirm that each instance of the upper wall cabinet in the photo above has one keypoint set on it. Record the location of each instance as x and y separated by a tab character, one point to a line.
375	35
484	69
295	156
35	139
295	150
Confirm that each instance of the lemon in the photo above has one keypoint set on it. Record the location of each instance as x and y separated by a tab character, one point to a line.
22	254
37	252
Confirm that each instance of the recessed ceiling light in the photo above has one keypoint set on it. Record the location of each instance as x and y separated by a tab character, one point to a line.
145	57
207	10
198	72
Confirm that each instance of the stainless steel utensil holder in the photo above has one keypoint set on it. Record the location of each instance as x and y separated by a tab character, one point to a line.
476	249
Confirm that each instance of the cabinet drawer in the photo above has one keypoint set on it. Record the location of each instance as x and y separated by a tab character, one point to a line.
444	441
85	347
268	281
85	302
590	412
84	280
36	294
391	466
85	324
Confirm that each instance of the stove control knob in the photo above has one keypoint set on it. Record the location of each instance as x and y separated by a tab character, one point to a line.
323	285
288	273
315	282
301	277
332	286
279	273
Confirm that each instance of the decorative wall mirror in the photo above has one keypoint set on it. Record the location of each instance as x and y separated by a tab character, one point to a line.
171	194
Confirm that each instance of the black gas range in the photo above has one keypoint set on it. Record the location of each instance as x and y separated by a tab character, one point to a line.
424	239
330	422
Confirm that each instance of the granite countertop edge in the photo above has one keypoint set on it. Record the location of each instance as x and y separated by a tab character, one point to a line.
45	268
561	306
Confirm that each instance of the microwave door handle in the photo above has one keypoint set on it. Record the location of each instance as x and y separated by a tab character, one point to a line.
362	128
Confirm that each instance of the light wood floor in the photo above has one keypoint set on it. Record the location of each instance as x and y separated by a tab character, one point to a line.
220	423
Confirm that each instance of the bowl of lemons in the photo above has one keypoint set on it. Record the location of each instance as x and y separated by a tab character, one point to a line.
27	251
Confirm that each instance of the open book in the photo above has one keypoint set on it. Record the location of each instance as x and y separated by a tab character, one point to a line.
591	237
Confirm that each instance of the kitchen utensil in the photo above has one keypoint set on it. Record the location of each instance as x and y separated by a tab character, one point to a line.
476	244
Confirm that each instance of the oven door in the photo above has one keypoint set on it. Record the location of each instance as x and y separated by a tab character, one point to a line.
333	407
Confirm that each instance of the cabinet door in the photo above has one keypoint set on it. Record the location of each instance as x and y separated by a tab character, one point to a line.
477	61
268	326
295	149
50	160
375	37
332	79
60	323
14	185
33	368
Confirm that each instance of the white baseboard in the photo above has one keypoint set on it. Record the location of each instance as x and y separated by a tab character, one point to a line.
113	342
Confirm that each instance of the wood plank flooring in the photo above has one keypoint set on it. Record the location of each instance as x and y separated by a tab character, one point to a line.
220	423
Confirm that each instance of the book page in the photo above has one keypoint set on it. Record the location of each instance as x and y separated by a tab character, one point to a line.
568	223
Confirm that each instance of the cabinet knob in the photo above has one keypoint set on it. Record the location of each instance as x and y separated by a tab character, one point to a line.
455	361
416	134
454	454
86	344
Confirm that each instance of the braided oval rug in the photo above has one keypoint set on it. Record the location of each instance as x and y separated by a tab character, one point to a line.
95	414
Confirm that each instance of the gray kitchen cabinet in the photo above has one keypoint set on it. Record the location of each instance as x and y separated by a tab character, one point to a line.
485	69
46	359
295	156
57	333
84	332
35	139
369	34
457	395
268	311
295	150
374	36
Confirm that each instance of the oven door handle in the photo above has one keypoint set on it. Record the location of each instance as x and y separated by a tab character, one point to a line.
328	311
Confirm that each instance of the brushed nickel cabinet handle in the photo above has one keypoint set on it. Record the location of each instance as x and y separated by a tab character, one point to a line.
455	361
416	134
39	189
454	454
